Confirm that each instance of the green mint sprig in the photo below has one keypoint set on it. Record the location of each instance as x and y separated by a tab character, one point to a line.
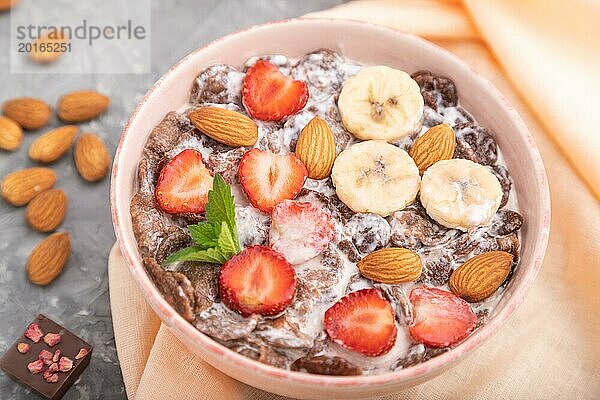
216	239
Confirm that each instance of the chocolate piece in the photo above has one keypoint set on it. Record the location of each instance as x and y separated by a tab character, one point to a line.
50	383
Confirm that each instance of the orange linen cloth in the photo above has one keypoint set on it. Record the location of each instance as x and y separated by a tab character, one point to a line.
545	57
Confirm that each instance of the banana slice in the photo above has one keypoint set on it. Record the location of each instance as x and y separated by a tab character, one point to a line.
381	103
375	177
460	194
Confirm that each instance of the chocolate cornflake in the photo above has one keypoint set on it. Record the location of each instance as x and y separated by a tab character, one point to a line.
436	90
326	365
475	143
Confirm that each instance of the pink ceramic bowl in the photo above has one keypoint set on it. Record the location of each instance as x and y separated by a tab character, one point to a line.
368	44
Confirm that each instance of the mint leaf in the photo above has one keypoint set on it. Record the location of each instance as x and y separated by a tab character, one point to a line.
195	253
221	207
226	242
204	234
217	239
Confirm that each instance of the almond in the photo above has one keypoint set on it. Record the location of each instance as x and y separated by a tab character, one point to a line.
481	275
19	187
48	258
91	157
7	4
391	265
48	48
52	145
81	106
47	210
436	144
11	134
316	148
225	126
29	112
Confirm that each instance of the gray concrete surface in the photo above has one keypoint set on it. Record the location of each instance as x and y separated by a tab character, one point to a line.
79	297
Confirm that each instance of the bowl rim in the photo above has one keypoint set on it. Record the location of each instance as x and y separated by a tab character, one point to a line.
485	332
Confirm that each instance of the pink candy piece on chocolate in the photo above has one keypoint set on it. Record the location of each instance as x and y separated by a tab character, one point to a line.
50	377
35	367
33	332
65	364
22	348
45	356
82	353
52	339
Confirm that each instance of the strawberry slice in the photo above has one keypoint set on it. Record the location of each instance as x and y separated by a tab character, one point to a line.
257	281
300	230
269	178
183	184
440	317
269	95
362	321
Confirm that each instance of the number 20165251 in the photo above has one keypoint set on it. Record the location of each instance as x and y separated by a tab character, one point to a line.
44	47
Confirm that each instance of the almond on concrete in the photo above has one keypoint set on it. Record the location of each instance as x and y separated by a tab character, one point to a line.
47	210
481	275
7	4
316	148
436	144
47	48
81	105
19	187
48	258
29	112
91	157
391	265
11	134
225	126
52	145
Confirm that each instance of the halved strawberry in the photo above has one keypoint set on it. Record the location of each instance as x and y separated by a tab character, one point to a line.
269	95
257	281
183	184
268	178
362	321
300	230
440	317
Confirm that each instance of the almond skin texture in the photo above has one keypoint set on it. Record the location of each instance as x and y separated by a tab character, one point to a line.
48	258
52	145
225	126
47	210
29	112
46	49
481	275
11	134
81	105
391	265
91	157
19	187
316	148
436	144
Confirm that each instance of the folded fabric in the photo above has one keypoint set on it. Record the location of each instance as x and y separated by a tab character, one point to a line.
550	348
550	51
